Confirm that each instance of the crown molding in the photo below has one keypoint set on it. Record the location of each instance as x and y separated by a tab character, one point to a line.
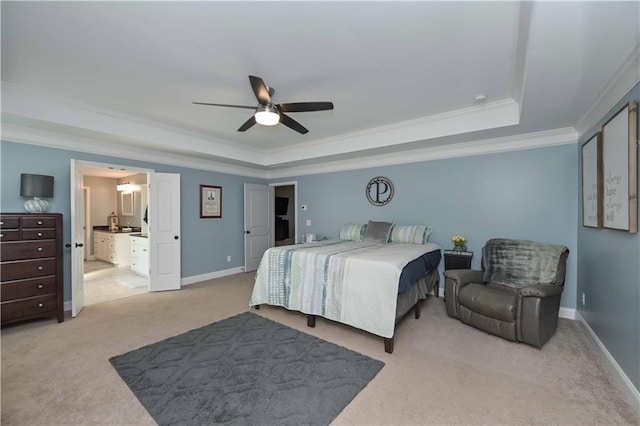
31	104
548	138
50	139
496	114
627	76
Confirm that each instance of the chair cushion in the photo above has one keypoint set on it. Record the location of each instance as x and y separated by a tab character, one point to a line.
519	263
491	302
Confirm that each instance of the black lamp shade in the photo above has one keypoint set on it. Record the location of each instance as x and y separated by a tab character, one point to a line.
36	185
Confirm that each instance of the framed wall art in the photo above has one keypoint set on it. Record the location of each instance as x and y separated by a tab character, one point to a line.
619	170
591	164
210	202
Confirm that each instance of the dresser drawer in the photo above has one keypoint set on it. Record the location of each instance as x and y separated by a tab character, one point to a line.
22	269
30	307
27	288
9	235
38	222
9	222
27	250
39	234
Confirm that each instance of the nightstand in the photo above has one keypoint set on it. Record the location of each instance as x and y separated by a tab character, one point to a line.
454	259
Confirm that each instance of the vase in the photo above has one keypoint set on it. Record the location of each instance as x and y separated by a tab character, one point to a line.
460	247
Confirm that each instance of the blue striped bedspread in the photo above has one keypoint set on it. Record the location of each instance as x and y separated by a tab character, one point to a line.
355	283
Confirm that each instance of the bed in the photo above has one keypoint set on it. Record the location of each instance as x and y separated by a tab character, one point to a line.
368	285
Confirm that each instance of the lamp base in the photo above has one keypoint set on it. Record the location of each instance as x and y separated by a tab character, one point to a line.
36	205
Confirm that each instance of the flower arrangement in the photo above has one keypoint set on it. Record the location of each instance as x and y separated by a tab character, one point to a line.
459	240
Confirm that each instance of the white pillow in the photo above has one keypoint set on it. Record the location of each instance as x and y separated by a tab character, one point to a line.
410	234
352	231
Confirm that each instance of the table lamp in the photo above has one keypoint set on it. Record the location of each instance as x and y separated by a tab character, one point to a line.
36	186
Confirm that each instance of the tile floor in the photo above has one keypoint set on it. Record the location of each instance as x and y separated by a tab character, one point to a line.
104	281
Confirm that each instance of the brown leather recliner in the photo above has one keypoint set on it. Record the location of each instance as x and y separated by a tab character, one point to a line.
516	295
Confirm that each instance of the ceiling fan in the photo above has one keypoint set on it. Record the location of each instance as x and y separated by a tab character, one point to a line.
270	114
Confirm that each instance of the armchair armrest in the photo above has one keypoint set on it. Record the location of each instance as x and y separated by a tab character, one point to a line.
464	276
541	290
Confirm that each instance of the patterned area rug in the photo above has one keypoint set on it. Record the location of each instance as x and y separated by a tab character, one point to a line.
245	370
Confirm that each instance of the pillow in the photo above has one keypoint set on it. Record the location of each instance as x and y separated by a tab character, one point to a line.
378	231
352	231
410	234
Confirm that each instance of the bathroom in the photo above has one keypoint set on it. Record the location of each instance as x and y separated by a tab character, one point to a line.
116	230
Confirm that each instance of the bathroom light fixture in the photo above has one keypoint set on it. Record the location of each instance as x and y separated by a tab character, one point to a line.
36	186
125	187
267	115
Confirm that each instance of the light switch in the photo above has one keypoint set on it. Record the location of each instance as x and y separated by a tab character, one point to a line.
308	222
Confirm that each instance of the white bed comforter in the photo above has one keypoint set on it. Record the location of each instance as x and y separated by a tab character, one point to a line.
355	283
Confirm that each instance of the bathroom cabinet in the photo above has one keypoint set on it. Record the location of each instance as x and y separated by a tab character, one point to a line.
140	255
112	247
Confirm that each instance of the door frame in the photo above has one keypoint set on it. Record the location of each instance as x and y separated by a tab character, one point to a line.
77	207
293	183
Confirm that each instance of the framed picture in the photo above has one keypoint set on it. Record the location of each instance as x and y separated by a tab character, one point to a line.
619	170
591	163
210	201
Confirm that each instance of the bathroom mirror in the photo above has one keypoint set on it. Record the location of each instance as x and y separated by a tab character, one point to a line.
126	202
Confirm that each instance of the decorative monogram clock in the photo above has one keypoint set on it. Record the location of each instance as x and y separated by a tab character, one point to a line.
379	191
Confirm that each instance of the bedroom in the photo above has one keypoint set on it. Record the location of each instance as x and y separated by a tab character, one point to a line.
528	193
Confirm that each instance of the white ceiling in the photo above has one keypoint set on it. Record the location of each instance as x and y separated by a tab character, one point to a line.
402	76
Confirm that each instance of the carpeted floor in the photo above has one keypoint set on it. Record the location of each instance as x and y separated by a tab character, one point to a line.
441	371
245	370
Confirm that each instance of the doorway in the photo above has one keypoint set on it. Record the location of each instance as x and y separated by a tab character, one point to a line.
285	223
115	203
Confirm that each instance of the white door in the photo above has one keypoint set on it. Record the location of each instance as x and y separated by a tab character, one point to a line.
258	223
164	231
77	239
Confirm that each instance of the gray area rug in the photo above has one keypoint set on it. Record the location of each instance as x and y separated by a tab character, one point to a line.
245	370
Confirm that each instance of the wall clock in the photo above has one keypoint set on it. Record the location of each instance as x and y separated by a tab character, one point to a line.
379	191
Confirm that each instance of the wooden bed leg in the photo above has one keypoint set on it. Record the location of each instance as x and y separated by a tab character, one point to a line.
388	345
311	321
418	307
436	290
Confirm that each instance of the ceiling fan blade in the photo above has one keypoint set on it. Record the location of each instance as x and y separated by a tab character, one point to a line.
247	124
292	124
225	105
260	89
305	106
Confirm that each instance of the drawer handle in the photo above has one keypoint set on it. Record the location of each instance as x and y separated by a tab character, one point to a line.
40	286
1	235
144	249
40	305
39	222
40	268
1	223
39	234
39	248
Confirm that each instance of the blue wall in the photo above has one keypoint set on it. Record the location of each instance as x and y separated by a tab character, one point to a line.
205	242
530	194
609	275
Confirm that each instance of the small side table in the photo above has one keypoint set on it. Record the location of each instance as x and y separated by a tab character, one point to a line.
454	259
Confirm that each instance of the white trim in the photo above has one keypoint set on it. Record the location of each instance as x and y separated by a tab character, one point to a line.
211	275
628	389
625	78
31	136
67	306
568	313
563	136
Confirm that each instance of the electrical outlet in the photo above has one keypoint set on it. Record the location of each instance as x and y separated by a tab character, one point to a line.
308	222
584	301
228	258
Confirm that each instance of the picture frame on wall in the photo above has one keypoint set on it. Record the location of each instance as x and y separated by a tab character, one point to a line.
210	202
620	170
592	184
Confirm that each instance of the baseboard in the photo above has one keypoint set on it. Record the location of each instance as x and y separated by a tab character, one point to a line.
67	306
211	275
628	389
568	313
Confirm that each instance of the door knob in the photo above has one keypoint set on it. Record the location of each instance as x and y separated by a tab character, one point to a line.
247	232
79	245
175	237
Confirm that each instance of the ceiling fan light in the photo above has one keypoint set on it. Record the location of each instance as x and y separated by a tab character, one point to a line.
267	116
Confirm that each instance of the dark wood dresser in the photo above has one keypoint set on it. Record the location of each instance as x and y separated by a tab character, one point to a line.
31	262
